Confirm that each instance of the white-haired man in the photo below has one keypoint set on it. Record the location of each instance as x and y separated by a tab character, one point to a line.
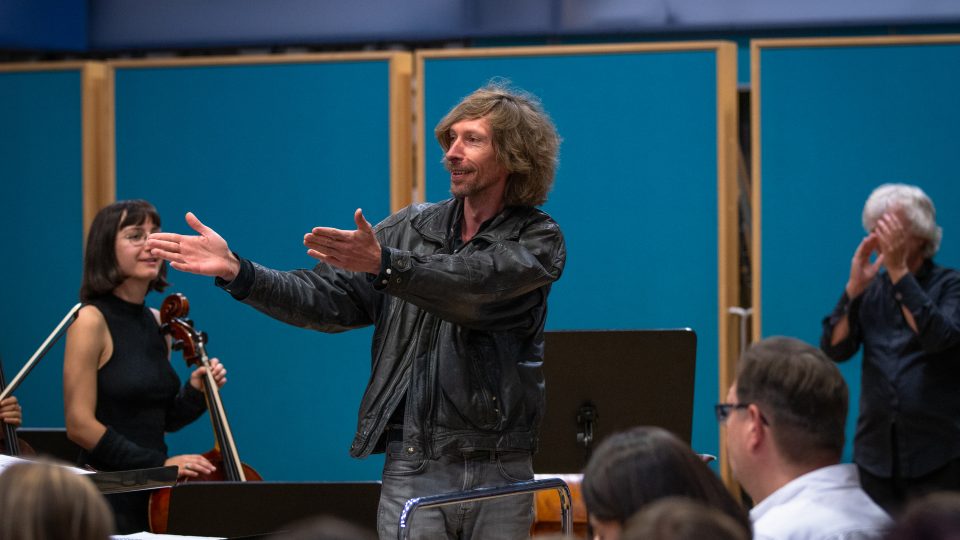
905	311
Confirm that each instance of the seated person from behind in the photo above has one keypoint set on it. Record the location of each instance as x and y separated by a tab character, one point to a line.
633	468
682	518
49	502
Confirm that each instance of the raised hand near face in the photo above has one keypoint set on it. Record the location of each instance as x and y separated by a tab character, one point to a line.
206	254
862	271
893	239
357	251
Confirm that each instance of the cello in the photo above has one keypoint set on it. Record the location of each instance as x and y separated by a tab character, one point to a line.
224	455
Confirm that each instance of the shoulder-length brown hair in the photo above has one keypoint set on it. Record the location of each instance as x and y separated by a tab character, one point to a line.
524	137
101	272
633	468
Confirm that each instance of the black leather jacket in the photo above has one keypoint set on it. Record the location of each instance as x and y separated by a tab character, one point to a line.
460	333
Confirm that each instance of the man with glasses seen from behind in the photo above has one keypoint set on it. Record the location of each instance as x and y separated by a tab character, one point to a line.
784	417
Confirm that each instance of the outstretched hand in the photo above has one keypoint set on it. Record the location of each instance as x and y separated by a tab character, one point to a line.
357	251
206	254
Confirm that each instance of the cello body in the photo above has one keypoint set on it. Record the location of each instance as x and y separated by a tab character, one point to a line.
224	455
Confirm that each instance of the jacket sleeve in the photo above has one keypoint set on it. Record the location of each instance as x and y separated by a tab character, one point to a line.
323	298
492	288
938	320
849	345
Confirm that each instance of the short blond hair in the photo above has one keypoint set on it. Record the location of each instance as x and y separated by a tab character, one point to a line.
42	500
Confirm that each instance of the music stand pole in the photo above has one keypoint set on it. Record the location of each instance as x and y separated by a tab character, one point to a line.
44	347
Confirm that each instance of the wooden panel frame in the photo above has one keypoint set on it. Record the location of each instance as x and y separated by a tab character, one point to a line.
400	76
727	164
97	157
756	47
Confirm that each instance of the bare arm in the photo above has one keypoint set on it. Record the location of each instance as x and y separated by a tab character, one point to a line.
88	341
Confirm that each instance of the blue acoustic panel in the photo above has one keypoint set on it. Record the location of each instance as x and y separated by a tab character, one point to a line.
835	123
635	193
41	209
263	153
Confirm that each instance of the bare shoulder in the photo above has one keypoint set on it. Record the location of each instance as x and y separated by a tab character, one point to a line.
88	335
89	318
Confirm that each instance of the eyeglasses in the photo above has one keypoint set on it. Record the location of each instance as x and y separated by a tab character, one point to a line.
136	237
723	411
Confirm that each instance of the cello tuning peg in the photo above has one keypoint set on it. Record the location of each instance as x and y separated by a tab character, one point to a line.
189	321
203	337
177	345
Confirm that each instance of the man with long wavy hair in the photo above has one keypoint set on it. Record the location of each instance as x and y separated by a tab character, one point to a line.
457	294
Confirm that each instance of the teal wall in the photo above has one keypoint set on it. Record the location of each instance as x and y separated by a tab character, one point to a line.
837	122
635	193
262	154
41	189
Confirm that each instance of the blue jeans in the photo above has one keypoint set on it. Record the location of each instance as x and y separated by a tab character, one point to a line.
502	518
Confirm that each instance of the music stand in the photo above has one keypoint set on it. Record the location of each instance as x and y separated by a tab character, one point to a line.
600	382
110	482
245	509
52	442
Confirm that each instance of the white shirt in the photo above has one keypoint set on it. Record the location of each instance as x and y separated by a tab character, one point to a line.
825	504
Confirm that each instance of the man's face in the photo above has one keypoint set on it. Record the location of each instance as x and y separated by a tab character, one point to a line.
472	160
734	425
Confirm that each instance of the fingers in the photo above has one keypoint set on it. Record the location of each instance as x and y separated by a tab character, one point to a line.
194	222
218	372
362	223
11	412
194	465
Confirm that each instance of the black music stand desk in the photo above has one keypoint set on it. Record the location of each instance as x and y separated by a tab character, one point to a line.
245	509
603	381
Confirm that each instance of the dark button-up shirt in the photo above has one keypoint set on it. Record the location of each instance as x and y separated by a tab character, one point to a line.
910	385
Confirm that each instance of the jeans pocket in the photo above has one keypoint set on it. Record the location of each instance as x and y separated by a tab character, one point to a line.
396	465
515	466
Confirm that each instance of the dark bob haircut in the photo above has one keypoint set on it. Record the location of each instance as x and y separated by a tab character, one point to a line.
101	272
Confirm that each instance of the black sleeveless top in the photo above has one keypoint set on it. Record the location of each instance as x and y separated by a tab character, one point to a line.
139	396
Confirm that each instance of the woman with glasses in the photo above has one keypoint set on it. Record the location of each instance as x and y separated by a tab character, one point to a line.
121	394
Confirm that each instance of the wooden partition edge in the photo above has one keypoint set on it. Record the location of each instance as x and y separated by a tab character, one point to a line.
43	66
97	113
400	74
728	249
756	48
254	59
863	41
420	137
401	131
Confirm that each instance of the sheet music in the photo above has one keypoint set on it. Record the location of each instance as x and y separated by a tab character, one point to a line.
7	461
